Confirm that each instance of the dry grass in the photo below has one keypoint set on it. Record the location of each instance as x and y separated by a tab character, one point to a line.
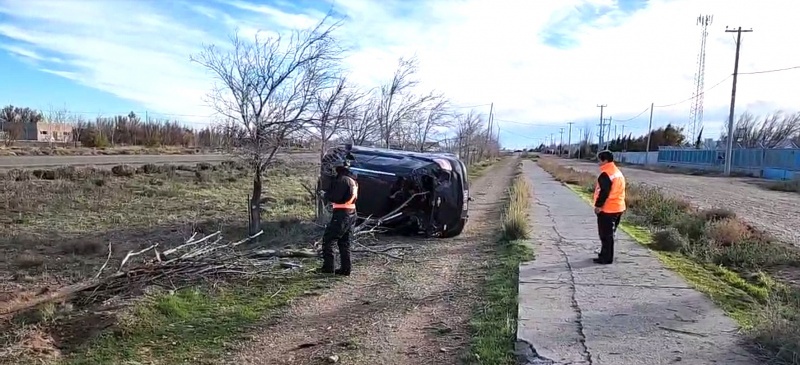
727	231
78	213
56	225
792	186
515	220
85	151
712	244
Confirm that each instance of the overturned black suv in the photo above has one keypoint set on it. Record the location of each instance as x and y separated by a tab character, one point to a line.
405	192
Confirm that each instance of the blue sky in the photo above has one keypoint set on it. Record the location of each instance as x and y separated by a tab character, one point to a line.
542	64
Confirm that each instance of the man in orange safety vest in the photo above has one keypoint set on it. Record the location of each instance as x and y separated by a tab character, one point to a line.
609	204
343	195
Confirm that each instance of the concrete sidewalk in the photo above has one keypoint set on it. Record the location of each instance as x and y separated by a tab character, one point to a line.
572	311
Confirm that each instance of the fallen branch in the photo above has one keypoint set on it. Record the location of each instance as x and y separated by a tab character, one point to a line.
382	252
99	272
133	254
199	258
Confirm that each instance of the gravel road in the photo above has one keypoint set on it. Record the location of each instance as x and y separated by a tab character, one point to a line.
52	161
773	211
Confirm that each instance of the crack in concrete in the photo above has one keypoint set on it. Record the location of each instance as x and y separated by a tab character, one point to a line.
579	313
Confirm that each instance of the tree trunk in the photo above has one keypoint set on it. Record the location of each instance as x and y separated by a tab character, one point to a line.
255	203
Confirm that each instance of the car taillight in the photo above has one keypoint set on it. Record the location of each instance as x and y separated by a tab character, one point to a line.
444	164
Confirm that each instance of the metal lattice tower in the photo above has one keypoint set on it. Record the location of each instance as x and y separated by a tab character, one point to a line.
696	112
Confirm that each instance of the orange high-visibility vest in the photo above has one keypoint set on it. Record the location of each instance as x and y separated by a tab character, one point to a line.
616	197
350	204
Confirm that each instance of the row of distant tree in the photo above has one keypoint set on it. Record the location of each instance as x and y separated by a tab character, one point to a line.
133	130
771	131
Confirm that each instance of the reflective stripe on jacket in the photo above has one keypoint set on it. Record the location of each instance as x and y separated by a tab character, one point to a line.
351	203
616	197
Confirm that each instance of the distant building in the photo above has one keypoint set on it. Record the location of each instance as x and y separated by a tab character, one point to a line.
42	132
50	132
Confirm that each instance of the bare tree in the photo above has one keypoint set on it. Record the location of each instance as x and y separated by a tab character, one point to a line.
334	106
585	148
268	88
398	103
429	118
468	129
364	125
769	132
58	117
79	127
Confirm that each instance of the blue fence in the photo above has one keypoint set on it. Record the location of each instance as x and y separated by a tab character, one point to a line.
775	164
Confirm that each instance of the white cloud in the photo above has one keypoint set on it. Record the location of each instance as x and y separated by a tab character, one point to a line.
475	51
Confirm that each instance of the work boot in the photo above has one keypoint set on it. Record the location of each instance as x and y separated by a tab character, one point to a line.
341	272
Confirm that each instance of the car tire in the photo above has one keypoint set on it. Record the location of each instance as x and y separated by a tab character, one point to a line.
455	231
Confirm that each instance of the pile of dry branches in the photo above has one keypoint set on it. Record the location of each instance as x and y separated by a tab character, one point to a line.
195	259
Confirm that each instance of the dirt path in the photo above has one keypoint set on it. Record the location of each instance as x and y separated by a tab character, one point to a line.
773	211
410	312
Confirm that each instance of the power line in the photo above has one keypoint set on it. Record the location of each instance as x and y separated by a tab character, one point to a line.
769	71
637	116
702	93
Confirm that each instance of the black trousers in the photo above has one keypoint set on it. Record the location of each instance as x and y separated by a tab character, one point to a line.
607	224
339	230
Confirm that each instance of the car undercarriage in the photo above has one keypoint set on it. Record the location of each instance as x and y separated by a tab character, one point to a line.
404	192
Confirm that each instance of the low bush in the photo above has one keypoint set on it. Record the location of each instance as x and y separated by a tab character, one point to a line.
668	240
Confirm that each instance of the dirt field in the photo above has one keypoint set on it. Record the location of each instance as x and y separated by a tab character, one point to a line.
109	160
56	232
772	211
410	312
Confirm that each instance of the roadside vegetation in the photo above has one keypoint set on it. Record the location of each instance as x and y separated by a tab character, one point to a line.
68	150
792	186
477	169
753	277
57	225
494	325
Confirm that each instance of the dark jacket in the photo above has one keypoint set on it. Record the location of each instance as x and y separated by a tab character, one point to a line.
342	188
604	183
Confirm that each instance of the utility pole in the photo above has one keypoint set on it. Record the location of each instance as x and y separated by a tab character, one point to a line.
600	142
489	130
609	130
569	140
605	123
729	150
649	129
561	143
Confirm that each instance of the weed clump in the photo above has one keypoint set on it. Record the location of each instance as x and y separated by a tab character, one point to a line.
515	216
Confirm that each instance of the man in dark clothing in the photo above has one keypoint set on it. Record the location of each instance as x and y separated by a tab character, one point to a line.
343	194
609	204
